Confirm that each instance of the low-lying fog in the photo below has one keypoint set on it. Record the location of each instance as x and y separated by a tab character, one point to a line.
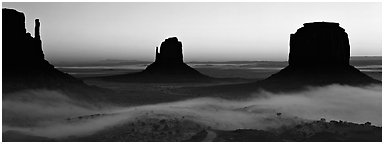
45	113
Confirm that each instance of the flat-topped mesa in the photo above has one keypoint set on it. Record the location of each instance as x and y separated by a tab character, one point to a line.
170	51
319	44
319	55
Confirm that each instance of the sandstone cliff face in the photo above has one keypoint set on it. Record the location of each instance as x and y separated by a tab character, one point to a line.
319	55
24	66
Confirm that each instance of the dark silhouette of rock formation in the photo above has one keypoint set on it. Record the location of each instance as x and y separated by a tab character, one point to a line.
319	44
170	51
170	60
24	66
319	55
168	67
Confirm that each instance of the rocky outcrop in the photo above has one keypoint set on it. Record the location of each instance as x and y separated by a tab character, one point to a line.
170	51
319	44
170	60
24	66
168	67
319	55
20	49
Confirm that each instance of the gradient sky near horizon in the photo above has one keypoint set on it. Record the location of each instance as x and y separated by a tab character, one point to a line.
209	31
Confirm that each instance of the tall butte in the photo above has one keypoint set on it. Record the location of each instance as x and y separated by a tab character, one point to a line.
170	60
319	55
168	67
24	66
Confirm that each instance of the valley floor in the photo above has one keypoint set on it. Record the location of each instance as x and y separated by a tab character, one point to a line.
162	112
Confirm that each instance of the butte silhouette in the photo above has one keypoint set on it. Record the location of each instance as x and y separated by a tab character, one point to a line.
24	65
168	67
319	55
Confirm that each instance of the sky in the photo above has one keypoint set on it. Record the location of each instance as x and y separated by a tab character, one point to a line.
79	32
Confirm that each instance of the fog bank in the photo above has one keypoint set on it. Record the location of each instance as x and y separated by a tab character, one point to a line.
45	113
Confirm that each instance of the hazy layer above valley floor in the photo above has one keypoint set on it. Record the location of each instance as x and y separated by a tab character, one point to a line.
370	65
